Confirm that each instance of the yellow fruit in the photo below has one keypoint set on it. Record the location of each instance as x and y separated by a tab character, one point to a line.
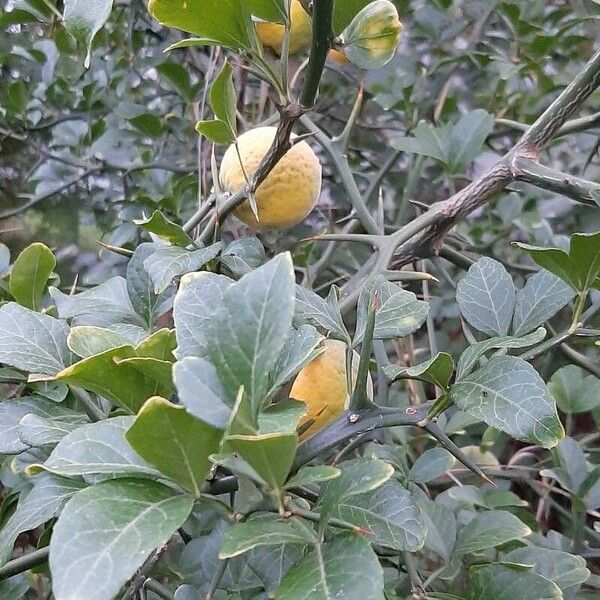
338	57
321	384
289	192
271	34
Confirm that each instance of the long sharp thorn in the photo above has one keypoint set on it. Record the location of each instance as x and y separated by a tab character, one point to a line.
434	430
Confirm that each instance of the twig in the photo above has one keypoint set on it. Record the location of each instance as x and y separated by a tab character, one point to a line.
24	563
158	589
19	209
141	577
580	190
356	422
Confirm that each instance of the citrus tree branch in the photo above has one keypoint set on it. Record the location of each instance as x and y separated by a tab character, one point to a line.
322	36
440	218
424	235
573	126
580	190
24	563
356	422
343	168
19	209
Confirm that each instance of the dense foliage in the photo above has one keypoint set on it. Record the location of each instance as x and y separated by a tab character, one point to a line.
149	447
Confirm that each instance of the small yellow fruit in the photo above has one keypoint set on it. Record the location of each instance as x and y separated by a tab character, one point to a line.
271	34
321	384
289	192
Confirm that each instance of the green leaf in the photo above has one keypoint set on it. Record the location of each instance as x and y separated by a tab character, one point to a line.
121	376
271	563
201	392
313	310
140	287
37	506
264	531
467	138
33	342
428	141
440	524
431	464
579	268
486	297
147	124
540	299
250	327
178	77
98	447
30	274
118	524
399	312
175	442
88	340
15	587
226	22
468	359
165	229
36	432
215	130
281	417
166	263
54	391
500	582
223	98
103	305
198	297
11	413
312	474
86	18
160	345
574	390
238	466
345	567
508	394
300	348
273	11
437	370
564	569
389	513
271	455
344	12
488	530
243	255
359	476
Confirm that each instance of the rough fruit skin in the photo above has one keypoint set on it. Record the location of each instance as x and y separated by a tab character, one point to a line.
289	192
321	384
271	34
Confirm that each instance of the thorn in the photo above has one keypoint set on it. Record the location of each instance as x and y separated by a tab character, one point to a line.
447	443
117	249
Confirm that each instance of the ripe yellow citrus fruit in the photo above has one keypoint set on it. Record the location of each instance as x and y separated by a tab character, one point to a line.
321	384
289	192
271	34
